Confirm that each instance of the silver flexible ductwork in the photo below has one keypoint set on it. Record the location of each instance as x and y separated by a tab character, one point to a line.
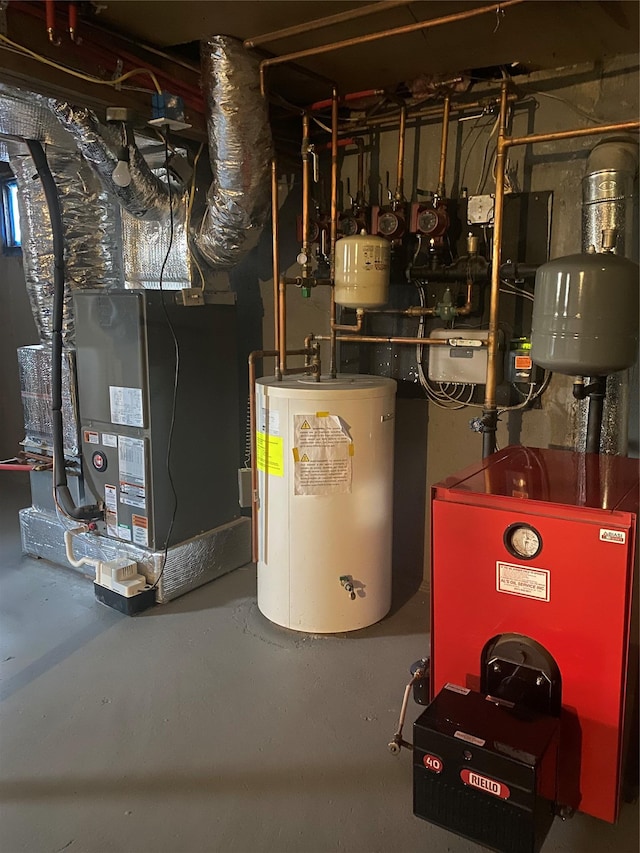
146	196
608	202
240	150
91	223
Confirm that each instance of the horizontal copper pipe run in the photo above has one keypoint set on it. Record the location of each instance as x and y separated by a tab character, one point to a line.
554	136
327	21
344	99
375	339
424	113
395	31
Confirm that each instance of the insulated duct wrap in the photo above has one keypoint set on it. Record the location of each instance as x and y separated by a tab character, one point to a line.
25	115
144	250
34	367
240	150
146	196
90	223
188	565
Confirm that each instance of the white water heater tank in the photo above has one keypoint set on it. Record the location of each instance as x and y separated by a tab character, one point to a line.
325	486
362	271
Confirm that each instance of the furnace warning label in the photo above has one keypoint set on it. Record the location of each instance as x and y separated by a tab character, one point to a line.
270	454
126	406
111	510
523	581
131	461
323	455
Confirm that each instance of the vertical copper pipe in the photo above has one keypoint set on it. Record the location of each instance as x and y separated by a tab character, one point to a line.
253	357
275	242
306	193
360	179
282	320
442	190
333	369
399	195
490	415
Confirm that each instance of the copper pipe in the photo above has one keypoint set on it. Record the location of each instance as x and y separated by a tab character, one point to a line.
275	243
357	327
466	308
282	321
328	21
375	339
399	194
306	194
344	99
490	412
442	192
253	357
395	31
424	113
554	136
360	200
333	359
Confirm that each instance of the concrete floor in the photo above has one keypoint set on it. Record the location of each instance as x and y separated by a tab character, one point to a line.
199	726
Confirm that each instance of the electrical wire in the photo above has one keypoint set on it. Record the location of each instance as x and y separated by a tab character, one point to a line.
176	375
79	74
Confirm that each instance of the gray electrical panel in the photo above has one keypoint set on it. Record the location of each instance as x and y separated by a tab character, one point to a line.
138	448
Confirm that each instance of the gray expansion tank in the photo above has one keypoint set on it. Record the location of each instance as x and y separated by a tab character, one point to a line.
585	315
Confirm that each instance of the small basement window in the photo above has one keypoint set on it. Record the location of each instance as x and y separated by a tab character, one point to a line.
10	219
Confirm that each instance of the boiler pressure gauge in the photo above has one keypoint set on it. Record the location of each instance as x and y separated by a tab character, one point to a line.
522	540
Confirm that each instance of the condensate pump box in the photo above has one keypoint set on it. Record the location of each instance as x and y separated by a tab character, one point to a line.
484	770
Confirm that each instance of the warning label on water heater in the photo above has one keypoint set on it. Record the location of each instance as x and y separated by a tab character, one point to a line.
523	581
323	455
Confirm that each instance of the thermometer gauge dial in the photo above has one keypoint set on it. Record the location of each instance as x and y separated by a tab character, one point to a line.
522	540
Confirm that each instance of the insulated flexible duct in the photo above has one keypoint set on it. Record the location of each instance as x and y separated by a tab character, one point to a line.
240	149
146	196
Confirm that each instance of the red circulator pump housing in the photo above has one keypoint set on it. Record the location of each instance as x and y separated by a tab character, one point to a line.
533	618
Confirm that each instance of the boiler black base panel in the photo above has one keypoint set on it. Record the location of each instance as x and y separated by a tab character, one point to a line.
485	771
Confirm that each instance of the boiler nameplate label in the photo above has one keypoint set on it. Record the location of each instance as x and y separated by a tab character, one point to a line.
524	581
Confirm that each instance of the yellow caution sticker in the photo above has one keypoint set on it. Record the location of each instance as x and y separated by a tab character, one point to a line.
296	455
322	414
305	425
270	454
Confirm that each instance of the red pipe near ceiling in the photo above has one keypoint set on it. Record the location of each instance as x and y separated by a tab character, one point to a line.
91	50
14	466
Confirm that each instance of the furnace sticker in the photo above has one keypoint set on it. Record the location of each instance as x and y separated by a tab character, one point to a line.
522	581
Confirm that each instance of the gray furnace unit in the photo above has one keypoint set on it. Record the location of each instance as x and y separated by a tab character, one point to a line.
137	447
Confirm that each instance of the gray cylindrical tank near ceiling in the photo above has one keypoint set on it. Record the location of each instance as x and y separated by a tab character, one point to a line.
585	315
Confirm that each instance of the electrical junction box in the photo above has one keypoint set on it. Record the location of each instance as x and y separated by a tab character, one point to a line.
480	209
136	448
480	766
464	361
